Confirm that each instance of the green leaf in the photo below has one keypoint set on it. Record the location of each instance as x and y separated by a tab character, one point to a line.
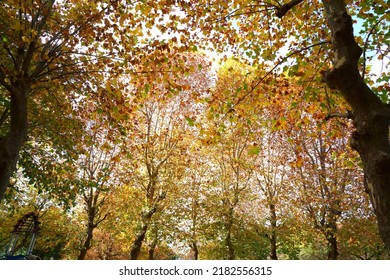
254	151
147	88
190	121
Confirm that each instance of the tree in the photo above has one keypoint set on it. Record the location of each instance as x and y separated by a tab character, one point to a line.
326	182
370	116
271	177
96	178
253	29
67	51
38	38
154	147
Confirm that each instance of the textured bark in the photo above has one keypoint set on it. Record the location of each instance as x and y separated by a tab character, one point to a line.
11	144
370	116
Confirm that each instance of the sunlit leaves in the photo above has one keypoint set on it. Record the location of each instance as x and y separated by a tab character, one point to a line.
210	146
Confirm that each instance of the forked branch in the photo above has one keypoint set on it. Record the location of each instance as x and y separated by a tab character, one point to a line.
282	10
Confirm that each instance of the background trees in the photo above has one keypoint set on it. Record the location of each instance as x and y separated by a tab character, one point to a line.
245	157
320	37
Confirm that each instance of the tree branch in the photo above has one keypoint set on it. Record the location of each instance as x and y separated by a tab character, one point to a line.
282	11
4	116
270	71
366	44
348	115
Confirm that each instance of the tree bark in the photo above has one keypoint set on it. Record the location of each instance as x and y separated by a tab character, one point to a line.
153	244
228	240
332	244
273	238
87	243
11	144
137	244
195	250
152	249
370	116
229	245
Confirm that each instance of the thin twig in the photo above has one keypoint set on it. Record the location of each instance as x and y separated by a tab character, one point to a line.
270	71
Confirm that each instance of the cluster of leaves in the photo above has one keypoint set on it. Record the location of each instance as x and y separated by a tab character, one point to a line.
133	135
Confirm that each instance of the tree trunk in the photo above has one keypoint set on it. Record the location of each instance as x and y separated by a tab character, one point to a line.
228	240
332	244
137	244
273	238
152	248
230	248
331	237
87	243
11	144
195	250
370	116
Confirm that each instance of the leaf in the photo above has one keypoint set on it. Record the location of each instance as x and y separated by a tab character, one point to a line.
190	121
254	151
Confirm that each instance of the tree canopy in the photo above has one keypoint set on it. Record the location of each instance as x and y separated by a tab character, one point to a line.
236	129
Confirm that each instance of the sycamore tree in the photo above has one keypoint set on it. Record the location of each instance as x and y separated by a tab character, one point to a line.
317	41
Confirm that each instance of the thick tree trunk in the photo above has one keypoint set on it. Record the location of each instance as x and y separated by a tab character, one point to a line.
11	144
370	116
332	251
230	248
273	238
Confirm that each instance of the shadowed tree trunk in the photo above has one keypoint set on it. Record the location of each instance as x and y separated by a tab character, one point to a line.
228	239
95	217
195	250
371	117
153	243
87	243
137	244
332	247
152	249
12	142
273	238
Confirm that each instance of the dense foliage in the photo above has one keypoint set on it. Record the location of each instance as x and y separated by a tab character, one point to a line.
196	129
